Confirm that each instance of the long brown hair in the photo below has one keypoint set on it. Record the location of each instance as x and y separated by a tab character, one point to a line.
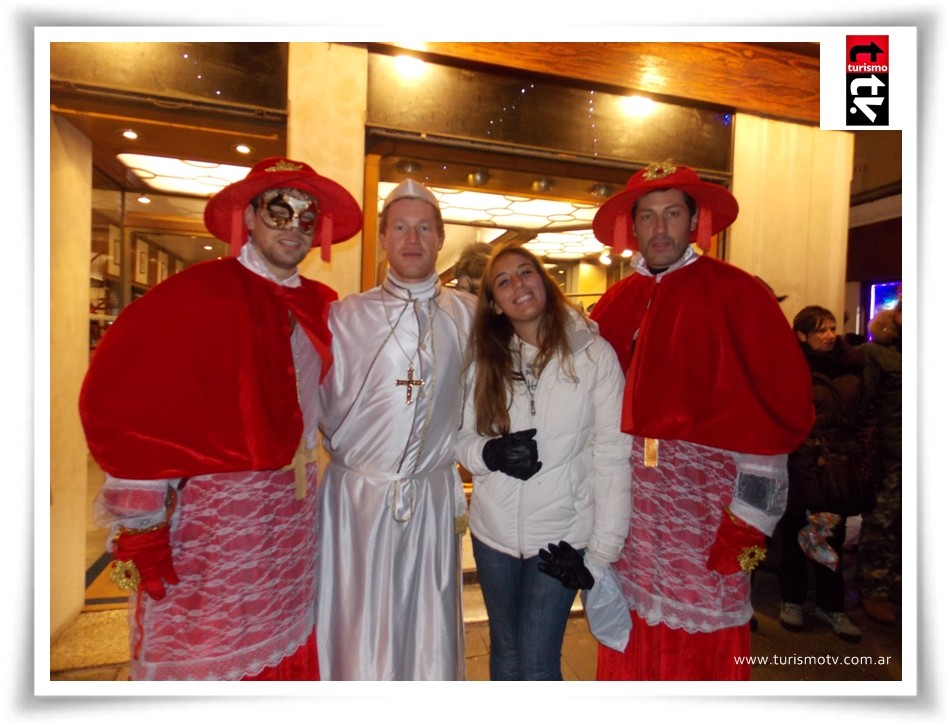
489	345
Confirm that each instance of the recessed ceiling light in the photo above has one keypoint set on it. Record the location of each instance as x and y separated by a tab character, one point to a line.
479	177
408	167
637	105
409	67
144	200
242	148
128	133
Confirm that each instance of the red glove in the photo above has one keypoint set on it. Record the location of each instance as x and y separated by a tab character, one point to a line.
143	560
738	546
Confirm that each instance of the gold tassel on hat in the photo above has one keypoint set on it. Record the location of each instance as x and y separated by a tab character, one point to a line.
659	170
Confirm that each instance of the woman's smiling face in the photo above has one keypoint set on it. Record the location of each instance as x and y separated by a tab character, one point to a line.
517	290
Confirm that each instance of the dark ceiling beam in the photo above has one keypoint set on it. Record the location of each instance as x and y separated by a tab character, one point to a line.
778	81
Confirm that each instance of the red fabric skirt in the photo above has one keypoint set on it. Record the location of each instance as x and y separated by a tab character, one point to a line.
301	665
662	653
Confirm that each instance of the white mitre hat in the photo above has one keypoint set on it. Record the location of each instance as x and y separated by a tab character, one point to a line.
410	189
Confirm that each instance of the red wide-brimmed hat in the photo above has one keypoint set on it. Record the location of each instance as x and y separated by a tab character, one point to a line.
717	207
338	217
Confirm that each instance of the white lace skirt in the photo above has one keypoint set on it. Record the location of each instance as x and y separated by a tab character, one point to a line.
244	548
677	508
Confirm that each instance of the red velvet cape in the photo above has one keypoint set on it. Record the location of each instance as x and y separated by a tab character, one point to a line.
197	376
716	362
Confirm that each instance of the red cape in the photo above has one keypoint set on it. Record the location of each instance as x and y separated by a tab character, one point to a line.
716	362
197	376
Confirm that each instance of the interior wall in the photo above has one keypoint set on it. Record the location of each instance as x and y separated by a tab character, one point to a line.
591	279
326	126
793	186
70	245
877	161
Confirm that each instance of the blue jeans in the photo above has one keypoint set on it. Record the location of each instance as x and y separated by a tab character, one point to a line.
527	615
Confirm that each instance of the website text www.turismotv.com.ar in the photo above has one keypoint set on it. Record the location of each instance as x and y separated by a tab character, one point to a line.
815	660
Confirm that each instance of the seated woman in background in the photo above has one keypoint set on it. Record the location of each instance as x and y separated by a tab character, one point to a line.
551	472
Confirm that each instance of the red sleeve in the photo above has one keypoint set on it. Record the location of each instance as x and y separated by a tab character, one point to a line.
195	377
715	363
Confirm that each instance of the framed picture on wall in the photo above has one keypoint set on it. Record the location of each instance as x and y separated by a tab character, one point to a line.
114	262
141	262
162	267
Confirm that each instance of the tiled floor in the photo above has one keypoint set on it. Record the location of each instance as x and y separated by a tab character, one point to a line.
94	646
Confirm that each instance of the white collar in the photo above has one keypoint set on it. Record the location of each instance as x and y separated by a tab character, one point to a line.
424	290
641	267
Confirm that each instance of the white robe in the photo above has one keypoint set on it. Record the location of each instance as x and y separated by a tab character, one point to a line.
389	575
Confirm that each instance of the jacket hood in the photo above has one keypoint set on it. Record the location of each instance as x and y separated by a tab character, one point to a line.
581	331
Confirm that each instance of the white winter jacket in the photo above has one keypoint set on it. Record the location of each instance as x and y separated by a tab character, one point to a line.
582	492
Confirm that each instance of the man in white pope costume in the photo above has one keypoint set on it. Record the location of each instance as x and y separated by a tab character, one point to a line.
392	507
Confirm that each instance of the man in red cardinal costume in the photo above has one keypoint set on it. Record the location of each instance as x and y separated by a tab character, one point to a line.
717	393
200	405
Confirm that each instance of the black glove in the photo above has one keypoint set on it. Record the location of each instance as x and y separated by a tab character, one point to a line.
566	564
515	454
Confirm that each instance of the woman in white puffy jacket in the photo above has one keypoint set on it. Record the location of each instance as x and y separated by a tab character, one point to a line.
551	469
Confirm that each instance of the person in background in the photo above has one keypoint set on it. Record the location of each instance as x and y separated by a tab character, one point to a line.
392	508
827	478
200	406
853	339
717	394
551	468
879	548
471	265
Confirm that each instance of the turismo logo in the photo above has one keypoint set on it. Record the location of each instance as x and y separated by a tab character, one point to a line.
867	79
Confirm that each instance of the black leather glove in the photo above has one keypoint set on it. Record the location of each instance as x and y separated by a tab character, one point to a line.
565	563
515	454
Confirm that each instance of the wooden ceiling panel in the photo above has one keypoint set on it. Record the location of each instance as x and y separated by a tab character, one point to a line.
774	80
